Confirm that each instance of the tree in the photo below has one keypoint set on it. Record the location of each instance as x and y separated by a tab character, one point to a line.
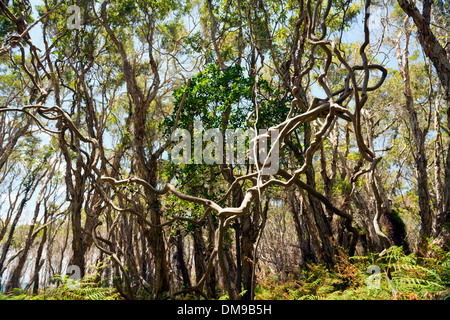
337	151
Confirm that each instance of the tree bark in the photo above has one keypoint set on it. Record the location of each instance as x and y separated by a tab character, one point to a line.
38	264
238	233
323	225
248	239
77	234
440	60
29	190
14	281
199	256
438	186
303	235
419	152
156	240
431	46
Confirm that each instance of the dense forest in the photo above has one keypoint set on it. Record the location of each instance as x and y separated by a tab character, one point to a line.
218	149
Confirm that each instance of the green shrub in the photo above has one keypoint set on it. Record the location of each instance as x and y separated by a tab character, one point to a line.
402	277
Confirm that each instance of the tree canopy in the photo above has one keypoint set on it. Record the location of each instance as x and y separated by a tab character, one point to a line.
341	109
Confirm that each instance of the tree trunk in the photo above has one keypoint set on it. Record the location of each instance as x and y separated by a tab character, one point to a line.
38	264
249	236
77	235
438	151
373	241
395	228
179	256
211	281
323	225
14	281
419	151
238	234
443	220
303	236
156	240
8	149
29	190
431	46
199	254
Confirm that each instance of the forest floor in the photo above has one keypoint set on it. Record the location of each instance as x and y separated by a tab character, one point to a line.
393	276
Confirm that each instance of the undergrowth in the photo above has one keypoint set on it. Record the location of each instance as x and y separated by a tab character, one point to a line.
84	289
397	276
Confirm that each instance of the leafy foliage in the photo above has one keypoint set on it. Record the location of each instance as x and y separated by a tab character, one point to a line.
402	277
85	289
